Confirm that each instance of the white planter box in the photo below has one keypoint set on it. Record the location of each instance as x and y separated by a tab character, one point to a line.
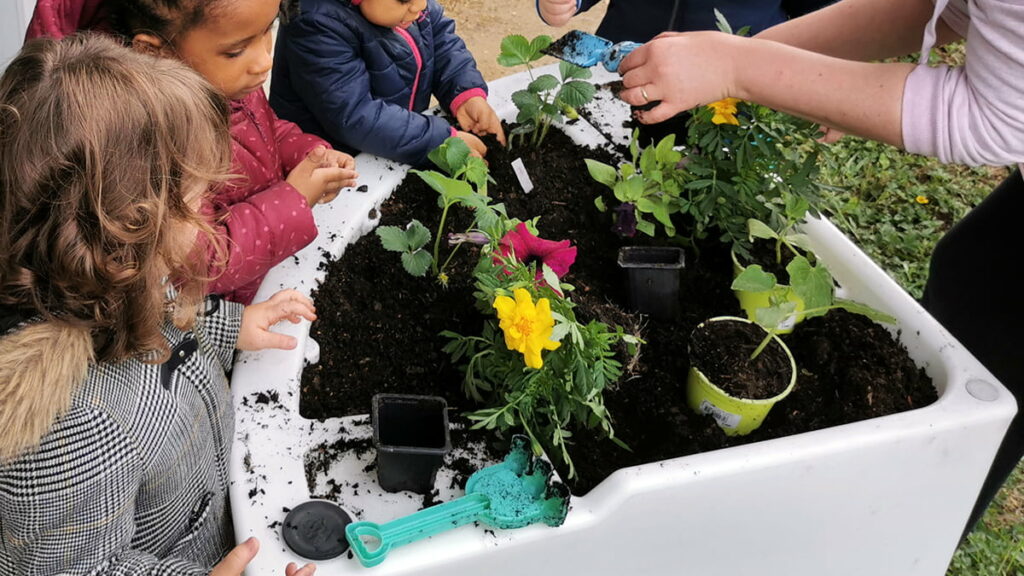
887	496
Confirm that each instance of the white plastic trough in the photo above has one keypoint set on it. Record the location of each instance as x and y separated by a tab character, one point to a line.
887	496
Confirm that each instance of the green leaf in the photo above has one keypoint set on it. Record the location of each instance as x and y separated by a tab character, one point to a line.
525	99
865	310
601	206
758	229
754	279
576	93
392	238
773	317
450	189
538	45
629	190
543	83
602	173
645	226
549	276
515	51
813	284
569	71
722	23
456	154
416	235
416	263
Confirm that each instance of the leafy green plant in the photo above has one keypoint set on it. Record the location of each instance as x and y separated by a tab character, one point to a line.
648	183
557	385
809	279
467	186
546	99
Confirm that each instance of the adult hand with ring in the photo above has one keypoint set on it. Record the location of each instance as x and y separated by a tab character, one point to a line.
675	72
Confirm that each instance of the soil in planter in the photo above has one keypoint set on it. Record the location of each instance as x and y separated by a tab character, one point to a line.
721	351
378	327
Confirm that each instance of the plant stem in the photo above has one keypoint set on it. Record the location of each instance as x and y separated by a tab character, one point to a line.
437	238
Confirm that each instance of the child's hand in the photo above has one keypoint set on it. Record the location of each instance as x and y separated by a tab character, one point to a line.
476	146
339	159
476	116
317	178
257	319
234	562
556	12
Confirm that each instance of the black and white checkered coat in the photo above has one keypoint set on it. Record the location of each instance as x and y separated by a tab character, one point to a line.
132	479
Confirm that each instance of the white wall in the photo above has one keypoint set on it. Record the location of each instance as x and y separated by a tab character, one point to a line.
14	16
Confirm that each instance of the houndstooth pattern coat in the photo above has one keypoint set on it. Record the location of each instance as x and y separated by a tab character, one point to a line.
132	478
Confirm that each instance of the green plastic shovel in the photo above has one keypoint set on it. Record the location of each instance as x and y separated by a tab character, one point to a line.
515	493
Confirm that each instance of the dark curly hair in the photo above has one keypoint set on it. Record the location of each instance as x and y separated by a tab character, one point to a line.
104	155
168	19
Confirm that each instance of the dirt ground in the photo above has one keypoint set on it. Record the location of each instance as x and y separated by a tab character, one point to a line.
483	23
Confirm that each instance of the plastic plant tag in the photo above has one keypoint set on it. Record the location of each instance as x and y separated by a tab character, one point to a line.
524	178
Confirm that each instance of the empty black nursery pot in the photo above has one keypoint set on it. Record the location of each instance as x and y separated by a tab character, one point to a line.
410	434
653	279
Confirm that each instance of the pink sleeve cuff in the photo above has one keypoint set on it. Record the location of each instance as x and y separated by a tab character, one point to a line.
461	98
452	132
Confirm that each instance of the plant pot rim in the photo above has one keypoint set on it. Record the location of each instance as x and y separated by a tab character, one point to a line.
750	401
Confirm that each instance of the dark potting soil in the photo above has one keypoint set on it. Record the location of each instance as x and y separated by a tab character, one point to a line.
721	351
378	327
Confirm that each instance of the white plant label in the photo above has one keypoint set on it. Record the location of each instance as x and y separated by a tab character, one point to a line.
724	419
524	179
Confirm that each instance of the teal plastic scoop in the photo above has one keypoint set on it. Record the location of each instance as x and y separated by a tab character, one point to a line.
586	50
515	493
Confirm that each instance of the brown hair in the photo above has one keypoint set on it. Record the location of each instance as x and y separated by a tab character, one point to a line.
104	152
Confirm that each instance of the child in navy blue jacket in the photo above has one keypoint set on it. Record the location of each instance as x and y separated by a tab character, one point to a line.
359	73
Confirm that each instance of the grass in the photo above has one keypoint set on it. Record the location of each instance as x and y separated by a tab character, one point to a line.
896	206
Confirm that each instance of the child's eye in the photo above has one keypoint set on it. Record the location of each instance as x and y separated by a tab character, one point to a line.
234	54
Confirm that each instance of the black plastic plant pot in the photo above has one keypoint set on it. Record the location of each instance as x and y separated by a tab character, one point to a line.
410	434
653	279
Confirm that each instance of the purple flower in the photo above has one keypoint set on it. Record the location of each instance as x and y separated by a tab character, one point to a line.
625	220
478	238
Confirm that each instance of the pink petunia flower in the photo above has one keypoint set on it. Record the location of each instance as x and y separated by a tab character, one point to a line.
529	249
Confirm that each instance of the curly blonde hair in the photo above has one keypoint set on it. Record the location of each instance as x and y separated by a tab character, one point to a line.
105	156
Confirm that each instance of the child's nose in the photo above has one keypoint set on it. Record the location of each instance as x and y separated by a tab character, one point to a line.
417	6
264	60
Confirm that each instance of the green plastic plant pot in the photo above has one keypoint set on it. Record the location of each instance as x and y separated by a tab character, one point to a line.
752	301
735	416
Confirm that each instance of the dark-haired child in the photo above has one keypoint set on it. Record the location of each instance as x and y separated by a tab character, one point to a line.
359	73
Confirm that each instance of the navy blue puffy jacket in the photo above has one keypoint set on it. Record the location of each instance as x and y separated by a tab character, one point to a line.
351	82
641	20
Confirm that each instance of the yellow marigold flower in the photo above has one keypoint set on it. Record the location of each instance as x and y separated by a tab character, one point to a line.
922	199
527	327
725	111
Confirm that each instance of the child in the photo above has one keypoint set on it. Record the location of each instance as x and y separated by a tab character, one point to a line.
267	210
115	423
360	72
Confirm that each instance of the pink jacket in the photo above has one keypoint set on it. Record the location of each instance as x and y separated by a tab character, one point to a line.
971	114
260	218
263	219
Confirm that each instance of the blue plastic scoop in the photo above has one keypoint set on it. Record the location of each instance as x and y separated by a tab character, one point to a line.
515	493
587	50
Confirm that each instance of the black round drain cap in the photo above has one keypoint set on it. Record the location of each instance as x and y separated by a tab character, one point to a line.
316	530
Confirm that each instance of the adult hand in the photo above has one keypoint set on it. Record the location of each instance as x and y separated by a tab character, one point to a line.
316	177
292	569
680	71
476	116
257	319
476	146
556	12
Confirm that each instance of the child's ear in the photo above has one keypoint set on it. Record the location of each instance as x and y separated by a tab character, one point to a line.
148	44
